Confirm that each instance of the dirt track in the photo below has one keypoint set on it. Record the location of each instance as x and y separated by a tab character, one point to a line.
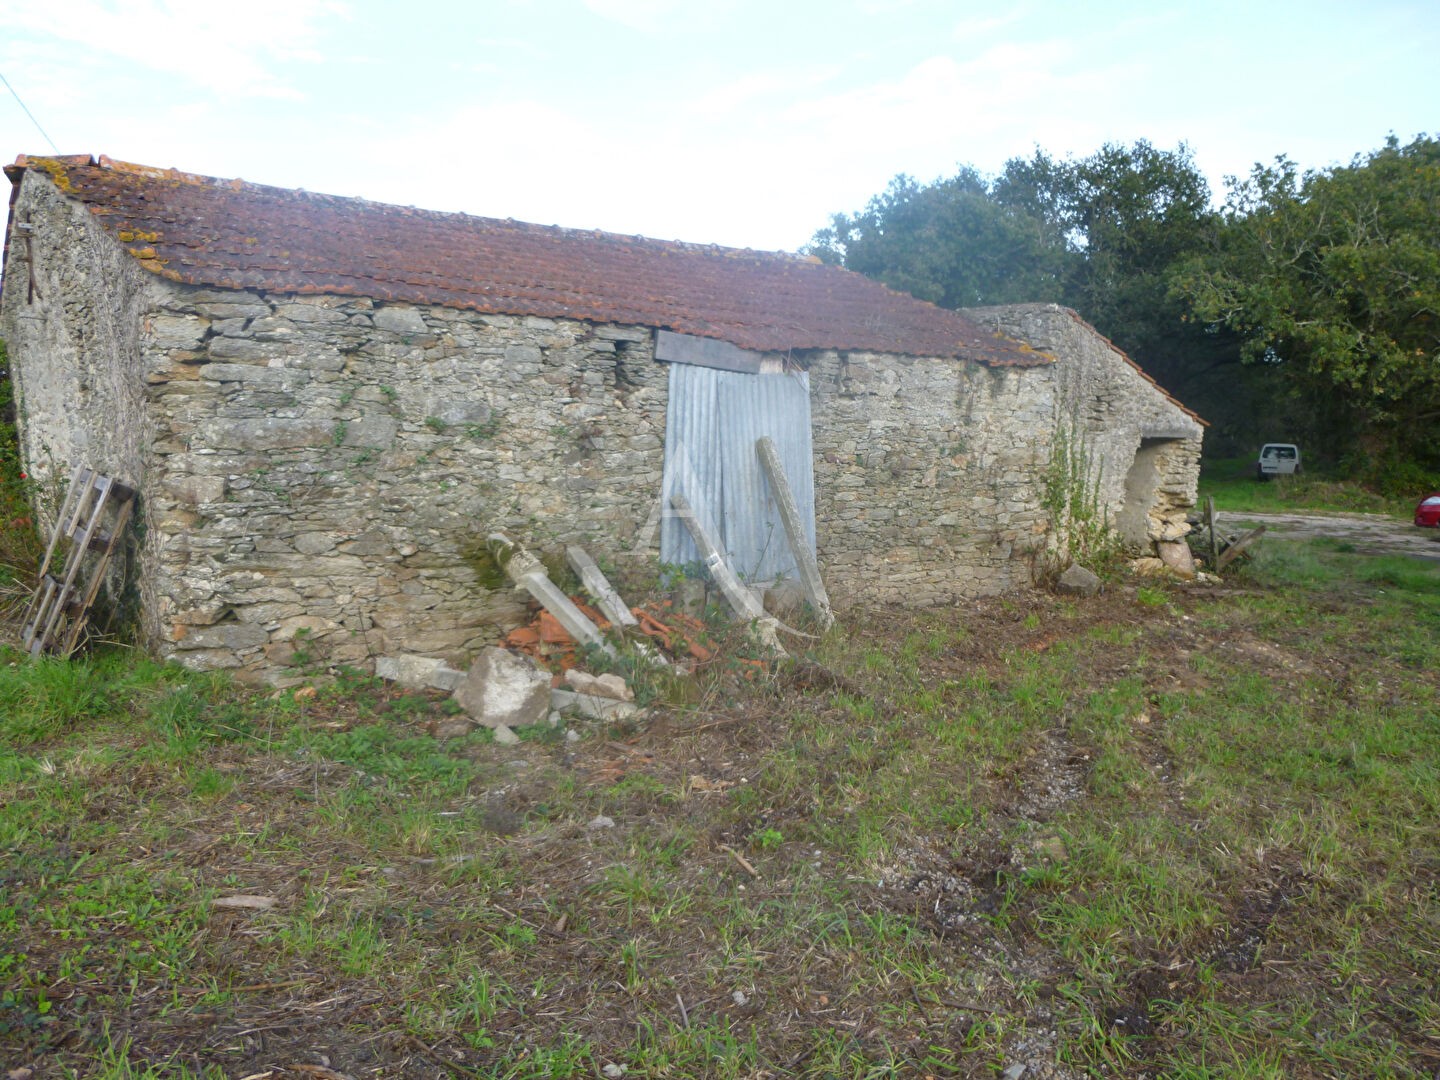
1371	533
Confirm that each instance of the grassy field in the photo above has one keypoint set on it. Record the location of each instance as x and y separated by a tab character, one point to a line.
1179	832
1233	483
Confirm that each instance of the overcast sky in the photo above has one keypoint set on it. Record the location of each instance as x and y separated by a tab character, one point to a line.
739	122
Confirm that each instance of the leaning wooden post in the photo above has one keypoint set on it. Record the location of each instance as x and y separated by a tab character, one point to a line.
741	598
610	603
526	571
805	560
1210	522
599	587
1231	553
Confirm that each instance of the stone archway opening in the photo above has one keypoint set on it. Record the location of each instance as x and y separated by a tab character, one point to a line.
1142	492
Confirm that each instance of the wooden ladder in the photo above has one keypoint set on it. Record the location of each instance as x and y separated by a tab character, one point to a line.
93	518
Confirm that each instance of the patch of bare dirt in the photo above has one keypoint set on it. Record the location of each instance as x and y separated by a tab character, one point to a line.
1371	534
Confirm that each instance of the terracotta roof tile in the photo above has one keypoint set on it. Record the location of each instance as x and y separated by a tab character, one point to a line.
200	230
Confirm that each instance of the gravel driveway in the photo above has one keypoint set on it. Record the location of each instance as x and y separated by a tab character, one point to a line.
1374	534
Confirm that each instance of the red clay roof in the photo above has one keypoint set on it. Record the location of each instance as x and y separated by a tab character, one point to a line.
200	230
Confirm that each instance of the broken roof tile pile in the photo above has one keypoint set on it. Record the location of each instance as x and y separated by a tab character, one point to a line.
204	231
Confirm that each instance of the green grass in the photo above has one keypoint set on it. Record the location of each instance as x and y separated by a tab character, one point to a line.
1157	833
1234	486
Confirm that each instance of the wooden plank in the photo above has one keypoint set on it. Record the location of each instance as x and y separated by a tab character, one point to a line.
1210	525
1231	553
60	609
38	609
65	509
97	573
96	496
84	500
599	587
741	599
705	352
805	561
529	573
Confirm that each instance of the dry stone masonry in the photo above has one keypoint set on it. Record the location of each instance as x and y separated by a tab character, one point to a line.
318	472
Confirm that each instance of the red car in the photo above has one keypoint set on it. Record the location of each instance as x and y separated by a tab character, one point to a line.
1428	512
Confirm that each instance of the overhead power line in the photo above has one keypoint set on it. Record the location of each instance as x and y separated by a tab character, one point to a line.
29	114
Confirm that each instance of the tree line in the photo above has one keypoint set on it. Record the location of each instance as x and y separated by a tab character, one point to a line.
1305	308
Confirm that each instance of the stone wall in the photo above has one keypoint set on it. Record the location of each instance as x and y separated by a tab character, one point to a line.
1141	448
72	314
927	475
78	330
326	467
317	473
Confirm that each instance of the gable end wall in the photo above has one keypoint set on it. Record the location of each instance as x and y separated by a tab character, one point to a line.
1106	407
75	358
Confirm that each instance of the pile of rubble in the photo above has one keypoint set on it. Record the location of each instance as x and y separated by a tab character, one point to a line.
504	690
533	674
682	637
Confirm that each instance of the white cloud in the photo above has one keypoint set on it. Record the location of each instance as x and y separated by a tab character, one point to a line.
643	15
759	161
980	25
882	7
229	47
761	86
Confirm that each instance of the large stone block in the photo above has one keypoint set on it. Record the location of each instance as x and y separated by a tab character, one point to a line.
207	659
259	376
1176	555
399	320
266	433
195	489
502	688
234	311
177	331
375	431
522	355
418	672
239	348
310	313
225	636
1078	581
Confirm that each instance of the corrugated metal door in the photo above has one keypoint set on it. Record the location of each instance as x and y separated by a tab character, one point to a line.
712	423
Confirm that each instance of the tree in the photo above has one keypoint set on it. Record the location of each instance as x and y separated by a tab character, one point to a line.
1332	279
949	242
1099	234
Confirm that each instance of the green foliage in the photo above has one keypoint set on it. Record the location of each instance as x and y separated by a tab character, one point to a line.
1015	815
1232	483
1100	234
1071	499
1331	278
951	242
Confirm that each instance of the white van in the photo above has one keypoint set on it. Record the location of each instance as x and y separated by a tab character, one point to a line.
1278	459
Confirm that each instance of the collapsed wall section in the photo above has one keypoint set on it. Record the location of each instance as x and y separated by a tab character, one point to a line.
331	465
927	475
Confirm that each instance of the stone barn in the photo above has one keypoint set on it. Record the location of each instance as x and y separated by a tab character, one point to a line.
325	404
